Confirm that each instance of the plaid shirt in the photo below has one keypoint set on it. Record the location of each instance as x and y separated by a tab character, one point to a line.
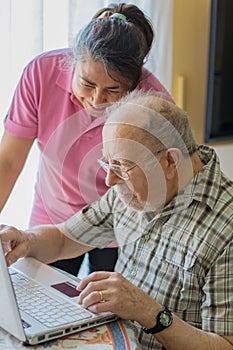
182	257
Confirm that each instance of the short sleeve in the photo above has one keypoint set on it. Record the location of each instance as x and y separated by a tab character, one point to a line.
217	308
22	118
93	225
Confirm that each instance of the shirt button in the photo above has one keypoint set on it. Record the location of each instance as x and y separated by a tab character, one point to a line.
147	237
133	273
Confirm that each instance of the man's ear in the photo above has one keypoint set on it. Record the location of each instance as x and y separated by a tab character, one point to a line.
173	159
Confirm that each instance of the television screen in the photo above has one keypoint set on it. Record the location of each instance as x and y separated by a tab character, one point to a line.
219	104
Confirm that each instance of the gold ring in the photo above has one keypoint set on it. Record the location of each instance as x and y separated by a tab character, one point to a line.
101	296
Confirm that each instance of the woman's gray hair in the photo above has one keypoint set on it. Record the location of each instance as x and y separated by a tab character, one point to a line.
160	122
120	45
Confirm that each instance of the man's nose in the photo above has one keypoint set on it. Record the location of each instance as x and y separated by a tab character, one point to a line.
112	179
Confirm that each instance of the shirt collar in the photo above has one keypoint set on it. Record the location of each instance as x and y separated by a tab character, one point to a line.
64	79
204	187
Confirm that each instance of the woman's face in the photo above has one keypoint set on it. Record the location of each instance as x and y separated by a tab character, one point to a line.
94	88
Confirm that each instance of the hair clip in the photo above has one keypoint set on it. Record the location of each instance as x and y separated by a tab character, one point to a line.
105	14
118	15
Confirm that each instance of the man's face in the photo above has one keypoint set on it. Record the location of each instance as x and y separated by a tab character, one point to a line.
145	188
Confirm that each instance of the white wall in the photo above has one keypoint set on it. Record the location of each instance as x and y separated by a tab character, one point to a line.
225	154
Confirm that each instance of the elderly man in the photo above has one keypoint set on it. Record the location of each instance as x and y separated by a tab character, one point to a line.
171	210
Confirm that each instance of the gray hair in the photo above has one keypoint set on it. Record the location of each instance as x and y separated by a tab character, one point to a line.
158	120
120	45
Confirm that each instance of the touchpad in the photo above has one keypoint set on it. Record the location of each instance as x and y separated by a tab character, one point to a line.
67	288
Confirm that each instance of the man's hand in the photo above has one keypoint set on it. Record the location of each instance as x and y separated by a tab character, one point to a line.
15	243
46	243
110	291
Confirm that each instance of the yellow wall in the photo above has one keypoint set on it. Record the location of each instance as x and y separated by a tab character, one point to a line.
190	59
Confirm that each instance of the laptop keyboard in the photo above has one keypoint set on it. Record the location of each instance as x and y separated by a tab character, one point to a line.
36	301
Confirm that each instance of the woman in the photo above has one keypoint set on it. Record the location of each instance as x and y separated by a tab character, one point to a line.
60	102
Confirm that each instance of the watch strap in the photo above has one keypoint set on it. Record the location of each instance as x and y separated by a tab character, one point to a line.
163	321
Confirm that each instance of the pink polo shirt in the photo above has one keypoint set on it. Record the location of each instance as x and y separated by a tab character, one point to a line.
45	108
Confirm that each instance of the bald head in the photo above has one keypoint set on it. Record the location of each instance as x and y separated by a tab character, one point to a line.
151	120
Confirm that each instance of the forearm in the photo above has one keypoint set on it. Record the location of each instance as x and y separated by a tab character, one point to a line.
13	154
132	303
47	243
44	243
182	336
7	182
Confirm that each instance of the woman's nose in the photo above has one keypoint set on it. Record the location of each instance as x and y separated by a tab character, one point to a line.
98	97
112	179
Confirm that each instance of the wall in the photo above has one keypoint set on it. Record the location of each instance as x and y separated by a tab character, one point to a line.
189	72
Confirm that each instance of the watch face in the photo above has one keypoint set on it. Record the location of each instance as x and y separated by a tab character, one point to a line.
165	319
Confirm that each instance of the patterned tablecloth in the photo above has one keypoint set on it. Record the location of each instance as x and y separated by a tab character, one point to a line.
118	335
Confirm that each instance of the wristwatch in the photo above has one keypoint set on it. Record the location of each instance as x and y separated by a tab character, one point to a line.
163	321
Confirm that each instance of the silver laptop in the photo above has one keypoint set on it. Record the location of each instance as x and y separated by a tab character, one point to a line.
39	303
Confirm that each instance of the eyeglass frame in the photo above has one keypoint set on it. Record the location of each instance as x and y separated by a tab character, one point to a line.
107	166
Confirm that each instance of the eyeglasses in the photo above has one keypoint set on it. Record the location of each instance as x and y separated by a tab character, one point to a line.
117	169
